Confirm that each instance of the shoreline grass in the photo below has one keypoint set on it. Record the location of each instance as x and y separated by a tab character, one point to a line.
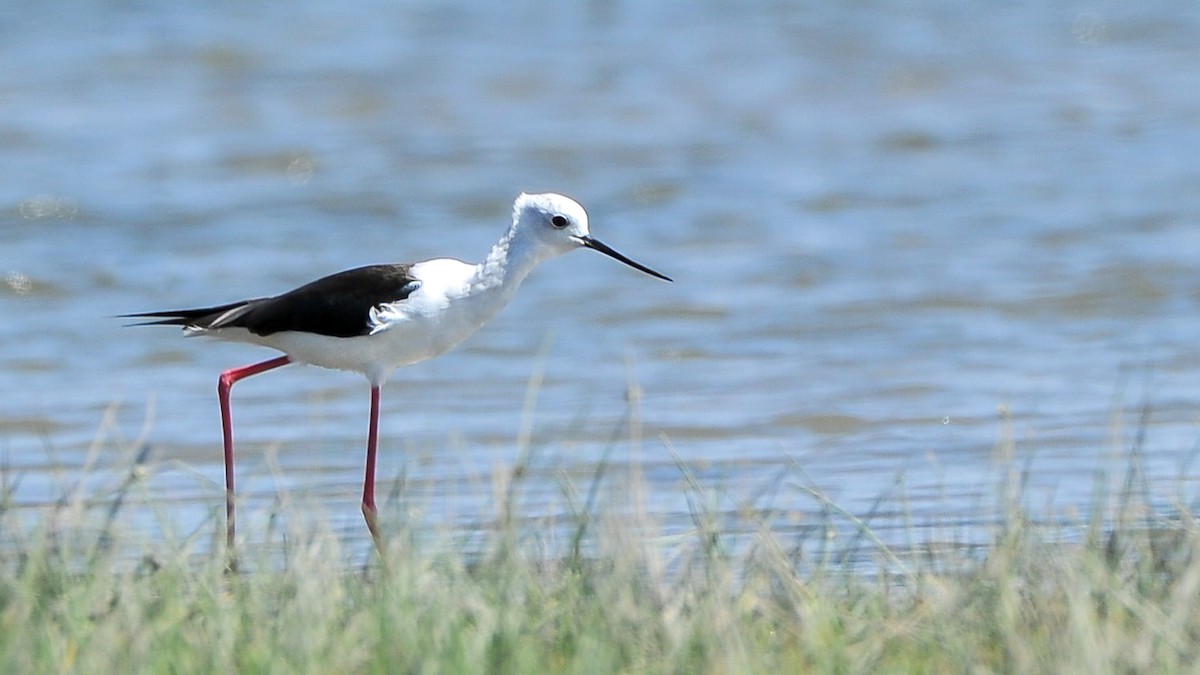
596	589
615	596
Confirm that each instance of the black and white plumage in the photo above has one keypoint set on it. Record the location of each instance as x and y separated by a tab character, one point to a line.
374	319
338	305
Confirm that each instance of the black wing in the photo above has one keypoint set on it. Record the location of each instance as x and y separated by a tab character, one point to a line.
338	305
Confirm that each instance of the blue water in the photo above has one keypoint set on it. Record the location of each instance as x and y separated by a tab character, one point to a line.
909	241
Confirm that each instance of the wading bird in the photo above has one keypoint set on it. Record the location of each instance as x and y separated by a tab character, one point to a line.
373	319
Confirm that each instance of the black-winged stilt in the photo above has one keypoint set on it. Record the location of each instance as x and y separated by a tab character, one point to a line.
374	319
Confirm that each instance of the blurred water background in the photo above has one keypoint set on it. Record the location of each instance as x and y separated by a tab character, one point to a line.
909	240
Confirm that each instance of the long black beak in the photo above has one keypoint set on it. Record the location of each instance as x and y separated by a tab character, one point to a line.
597	245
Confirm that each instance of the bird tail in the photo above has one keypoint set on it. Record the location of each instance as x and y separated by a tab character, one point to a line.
199	318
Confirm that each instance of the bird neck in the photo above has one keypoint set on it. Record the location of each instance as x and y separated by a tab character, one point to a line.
508	263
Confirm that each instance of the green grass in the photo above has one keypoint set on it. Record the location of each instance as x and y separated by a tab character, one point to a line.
79	592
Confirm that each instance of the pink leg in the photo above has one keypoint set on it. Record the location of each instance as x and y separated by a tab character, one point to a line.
368	498
224	384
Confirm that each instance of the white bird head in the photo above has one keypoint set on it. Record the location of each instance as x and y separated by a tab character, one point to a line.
559	224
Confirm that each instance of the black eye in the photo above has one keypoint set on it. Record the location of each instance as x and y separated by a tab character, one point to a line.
559	221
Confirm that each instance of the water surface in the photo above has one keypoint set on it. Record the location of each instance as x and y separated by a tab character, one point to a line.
907	240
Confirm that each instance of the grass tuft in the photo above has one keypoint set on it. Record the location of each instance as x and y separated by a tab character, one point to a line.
81	592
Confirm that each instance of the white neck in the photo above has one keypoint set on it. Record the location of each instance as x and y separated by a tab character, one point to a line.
507	265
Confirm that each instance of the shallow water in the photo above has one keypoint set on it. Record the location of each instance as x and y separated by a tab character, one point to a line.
902	236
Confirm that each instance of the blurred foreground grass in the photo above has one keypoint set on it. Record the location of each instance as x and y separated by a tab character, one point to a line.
81	593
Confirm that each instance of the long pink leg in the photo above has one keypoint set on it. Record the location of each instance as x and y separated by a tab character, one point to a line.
368	498
224	384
